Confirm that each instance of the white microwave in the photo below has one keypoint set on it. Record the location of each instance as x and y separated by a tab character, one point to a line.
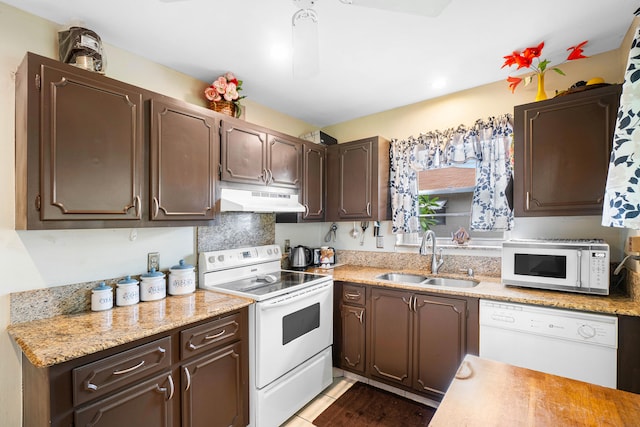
566	265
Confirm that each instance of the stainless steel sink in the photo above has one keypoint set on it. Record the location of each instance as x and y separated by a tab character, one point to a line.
402	277
425	280
452	283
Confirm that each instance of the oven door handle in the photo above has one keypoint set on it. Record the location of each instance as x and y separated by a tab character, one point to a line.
297	296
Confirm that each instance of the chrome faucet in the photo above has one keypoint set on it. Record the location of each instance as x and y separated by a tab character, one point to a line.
435	264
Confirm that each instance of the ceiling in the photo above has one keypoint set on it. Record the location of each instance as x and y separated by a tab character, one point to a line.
370	60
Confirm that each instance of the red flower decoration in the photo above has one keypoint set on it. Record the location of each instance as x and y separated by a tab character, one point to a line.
525	60
576	51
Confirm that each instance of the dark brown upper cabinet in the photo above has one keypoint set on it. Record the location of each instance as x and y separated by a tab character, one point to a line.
79	147
358	180
90	153
562	148
185	148
313	193
253	155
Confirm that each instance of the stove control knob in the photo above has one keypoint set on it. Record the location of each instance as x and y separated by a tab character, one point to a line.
276	250
269	251
211	259
221	258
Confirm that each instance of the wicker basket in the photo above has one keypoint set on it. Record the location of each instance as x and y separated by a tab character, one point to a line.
224	107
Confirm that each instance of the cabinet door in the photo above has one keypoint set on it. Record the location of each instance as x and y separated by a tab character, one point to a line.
313	183
390	336
439	341
355	163
284	161
91	148
213	390
353	338
148	404
184	153
243	154
562	148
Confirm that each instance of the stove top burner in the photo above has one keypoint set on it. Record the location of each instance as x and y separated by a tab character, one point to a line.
259	287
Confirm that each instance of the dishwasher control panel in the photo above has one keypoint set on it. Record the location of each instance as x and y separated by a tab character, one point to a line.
562	324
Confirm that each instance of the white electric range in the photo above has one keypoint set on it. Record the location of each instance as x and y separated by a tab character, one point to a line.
290	327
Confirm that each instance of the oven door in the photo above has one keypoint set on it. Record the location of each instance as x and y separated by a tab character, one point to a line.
291	329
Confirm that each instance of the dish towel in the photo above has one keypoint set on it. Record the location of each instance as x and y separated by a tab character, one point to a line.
621	207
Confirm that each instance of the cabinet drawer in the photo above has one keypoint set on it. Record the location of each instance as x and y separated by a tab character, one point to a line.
210	335
354	294
103	376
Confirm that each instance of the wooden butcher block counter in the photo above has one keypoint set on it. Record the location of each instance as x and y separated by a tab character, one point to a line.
488	393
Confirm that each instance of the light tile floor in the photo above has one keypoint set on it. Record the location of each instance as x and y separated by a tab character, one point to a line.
342	381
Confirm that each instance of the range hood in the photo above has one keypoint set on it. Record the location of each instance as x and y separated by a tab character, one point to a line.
233	200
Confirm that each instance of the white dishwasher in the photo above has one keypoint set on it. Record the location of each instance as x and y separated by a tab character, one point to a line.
572	344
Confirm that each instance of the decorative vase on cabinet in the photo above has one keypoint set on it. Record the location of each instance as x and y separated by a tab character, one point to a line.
541	95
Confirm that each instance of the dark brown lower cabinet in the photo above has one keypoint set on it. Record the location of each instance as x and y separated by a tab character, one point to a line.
352	355
212	394
390	336
439	337
417	340
147	404
411	340
190	376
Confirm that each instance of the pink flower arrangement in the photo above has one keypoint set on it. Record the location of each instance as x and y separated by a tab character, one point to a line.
226	88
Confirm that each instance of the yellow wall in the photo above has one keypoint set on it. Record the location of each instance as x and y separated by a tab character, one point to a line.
467	106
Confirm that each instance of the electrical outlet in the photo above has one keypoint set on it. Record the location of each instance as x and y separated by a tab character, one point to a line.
379	242
153	261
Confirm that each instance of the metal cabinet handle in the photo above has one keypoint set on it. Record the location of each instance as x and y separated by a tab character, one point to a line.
270	177
306	210
188	376
171	388
126	371
528	198
352	296
360	316
369	208
415	304
136	204
156	207
265	176
208	337
407	302
219	334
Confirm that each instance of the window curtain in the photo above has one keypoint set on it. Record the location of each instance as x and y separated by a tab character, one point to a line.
621	207
492	140
403	185
488	141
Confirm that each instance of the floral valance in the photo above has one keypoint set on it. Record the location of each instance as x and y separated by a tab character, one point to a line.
487	141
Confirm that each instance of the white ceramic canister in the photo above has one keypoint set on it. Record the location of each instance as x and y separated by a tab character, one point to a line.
101	297
182	279
153	285
127	292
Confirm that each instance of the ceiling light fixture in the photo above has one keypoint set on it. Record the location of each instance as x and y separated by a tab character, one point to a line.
306	51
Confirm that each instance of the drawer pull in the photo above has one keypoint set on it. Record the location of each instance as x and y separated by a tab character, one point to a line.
126	371
218	335
164	389
352	296
359	316
188	376
208	338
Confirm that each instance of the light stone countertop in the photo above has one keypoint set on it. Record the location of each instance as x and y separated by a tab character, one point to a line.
491	288
58	339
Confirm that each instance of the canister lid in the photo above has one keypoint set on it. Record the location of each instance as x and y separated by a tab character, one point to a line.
102	287
182	266
128	281
152	273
